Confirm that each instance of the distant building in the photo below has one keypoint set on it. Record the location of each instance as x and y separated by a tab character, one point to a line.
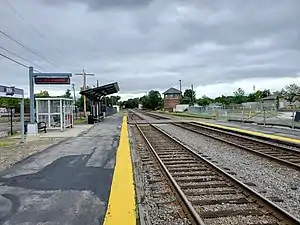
269	102
171	99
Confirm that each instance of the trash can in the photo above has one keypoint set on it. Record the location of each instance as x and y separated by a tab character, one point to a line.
297	116
91	119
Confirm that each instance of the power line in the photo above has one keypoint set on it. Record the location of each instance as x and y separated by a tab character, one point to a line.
5	49
17	62
32	27
28	49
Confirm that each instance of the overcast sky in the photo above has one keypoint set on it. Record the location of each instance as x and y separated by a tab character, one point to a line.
215	45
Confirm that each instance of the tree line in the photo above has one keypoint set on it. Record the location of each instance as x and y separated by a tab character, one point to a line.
153	100
8	102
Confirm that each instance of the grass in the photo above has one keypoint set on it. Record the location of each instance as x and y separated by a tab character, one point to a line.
7	142
80	121
188	115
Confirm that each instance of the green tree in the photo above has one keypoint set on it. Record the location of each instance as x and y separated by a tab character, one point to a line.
152	101
9	102
223	100
67	94
155	100
266	93
42	94
131	103
239	96
291	92
145	102
189	97
253	97
204	101
113	100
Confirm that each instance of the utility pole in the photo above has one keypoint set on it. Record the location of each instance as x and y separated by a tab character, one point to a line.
73	86
84	74
180	85
180	91
192	97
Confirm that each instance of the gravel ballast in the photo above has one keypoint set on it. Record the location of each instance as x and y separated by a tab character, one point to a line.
157	198
271	179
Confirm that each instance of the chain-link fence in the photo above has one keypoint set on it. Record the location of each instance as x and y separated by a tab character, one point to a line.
258	113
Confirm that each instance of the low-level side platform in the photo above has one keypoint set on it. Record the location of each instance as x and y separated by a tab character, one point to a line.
73	182
279	134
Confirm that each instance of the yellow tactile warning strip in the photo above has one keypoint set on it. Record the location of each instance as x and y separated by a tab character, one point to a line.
260	134
121	205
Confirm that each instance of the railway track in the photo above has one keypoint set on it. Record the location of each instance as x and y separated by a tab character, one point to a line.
280	153
208	194
134	116
155	116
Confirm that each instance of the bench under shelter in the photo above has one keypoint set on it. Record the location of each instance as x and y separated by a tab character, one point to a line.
54	113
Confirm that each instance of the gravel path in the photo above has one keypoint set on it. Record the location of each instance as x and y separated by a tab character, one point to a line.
157	199
274	181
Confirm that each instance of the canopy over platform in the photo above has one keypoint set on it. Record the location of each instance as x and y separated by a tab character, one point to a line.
95	94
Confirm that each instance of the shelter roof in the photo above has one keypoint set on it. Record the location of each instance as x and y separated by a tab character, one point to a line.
95	94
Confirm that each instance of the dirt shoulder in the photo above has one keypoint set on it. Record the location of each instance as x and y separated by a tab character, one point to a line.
11	151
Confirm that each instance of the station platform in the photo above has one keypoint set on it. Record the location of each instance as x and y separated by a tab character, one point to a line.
280	134
86	179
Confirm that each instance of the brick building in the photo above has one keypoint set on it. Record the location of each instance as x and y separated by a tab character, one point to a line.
171	99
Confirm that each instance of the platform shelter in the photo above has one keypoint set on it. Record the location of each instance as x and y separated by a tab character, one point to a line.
57	113
95	95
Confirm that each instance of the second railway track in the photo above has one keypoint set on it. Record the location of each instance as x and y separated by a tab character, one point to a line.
208	193
280	153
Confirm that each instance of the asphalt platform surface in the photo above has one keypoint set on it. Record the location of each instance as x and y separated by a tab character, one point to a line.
65	184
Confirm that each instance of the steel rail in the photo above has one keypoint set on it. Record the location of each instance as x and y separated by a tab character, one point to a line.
282	161
155	116
278	212
195	216
135	114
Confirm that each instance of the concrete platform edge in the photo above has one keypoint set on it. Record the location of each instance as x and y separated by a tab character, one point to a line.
254	133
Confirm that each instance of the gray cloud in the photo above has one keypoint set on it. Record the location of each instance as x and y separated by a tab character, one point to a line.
152	44
103	4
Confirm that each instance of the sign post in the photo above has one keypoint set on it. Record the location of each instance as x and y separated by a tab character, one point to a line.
13	92
43	78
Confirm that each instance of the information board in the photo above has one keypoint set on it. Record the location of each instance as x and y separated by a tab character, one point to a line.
52	80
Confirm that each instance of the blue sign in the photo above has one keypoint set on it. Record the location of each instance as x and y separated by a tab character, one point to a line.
10	91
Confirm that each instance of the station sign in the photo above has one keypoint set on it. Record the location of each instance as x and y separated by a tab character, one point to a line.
10	91
52	80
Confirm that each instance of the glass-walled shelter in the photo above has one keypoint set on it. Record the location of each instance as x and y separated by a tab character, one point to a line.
57	113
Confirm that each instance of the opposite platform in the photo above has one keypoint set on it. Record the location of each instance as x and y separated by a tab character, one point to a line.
273	133
279	134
